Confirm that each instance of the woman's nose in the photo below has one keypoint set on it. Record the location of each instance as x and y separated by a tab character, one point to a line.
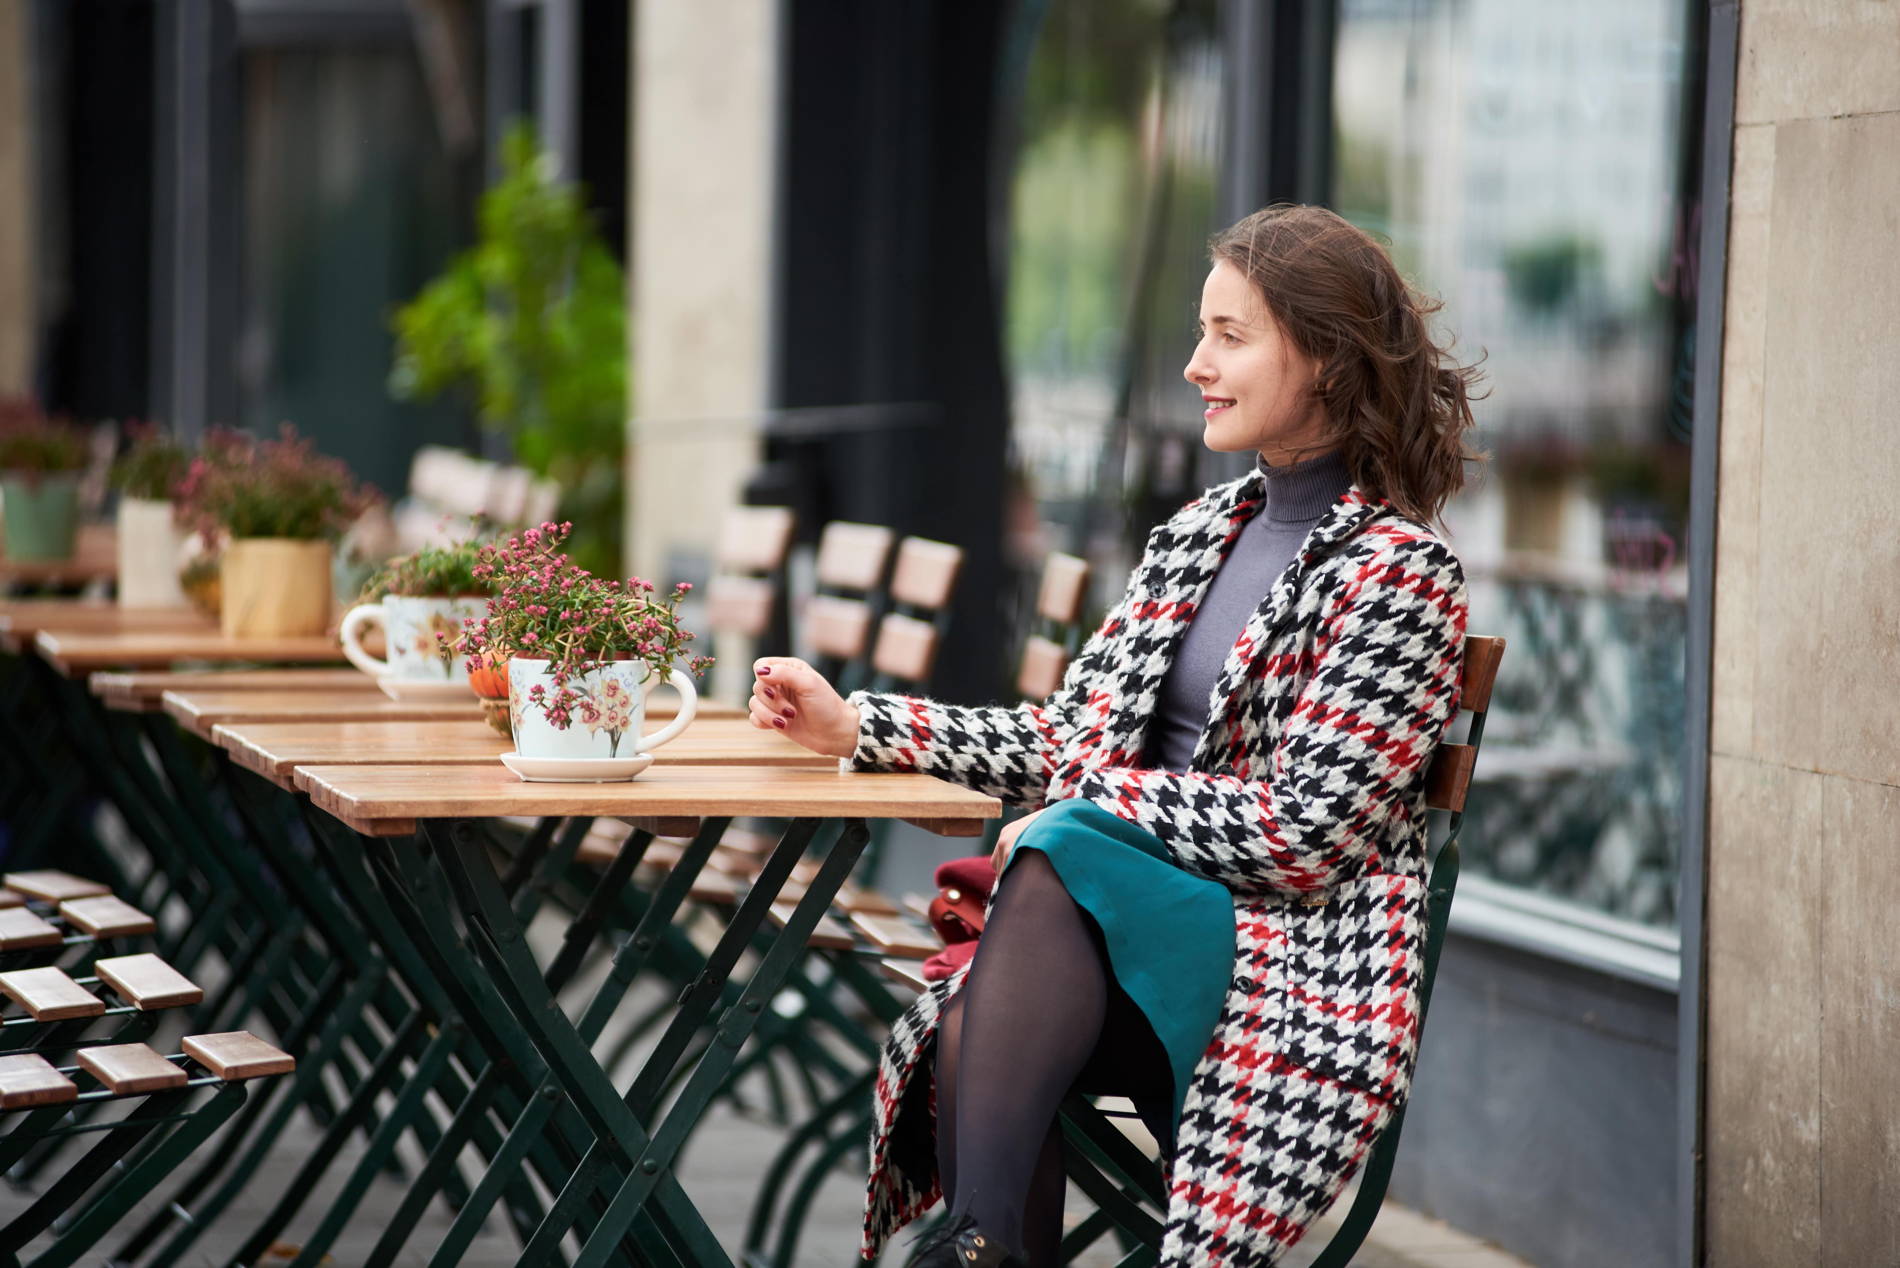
1195	371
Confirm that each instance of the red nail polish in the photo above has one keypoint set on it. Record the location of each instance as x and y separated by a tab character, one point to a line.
779	723
764	670
787	713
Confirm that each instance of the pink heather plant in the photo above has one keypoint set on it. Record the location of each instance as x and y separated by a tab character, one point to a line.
546	607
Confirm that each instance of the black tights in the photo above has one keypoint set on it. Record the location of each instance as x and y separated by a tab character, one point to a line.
1039	1015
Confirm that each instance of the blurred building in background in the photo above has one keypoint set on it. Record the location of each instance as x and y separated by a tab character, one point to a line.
934	265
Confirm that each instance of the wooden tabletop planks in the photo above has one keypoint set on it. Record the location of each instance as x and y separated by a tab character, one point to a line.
141	692
200	711
275	749
81	653
21	619
95	557
388	800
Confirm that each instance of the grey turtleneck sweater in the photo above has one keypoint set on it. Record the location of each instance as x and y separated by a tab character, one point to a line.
1294	499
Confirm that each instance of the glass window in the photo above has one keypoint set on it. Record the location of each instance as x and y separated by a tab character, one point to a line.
1533	166
1116	176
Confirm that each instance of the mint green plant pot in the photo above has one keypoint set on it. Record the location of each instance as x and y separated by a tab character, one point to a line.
42	515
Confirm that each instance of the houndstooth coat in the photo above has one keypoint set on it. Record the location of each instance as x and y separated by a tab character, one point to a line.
1305	797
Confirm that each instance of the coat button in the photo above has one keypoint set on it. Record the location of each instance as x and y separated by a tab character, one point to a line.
1246	984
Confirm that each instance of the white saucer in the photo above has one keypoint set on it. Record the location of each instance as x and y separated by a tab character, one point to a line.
576	770
425	690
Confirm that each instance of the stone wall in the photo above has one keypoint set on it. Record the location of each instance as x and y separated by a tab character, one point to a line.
1803	920
705	119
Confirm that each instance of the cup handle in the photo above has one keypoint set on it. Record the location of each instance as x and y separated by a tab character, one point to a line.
689	704
350	632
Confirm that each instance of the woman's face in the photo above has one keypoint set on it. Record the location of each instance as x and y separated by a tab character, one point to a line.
1255	385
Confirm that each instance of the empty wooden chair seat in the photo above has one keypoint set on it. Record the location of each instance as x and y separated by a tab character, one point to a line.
106	917
895	936
48	994
147	982
237	1054
22	930
131	1069
28	1080
828	933
53	886
906	973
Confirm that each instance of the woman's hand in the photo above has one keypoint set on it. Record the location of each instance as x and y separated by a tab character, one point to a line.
790	696
1006	840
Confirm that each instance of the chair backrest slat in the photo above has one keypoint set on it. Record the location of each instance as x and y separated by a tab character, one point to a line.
925	573
906	648
852	556
1065	583
754	539
1482	656
740	605
1040	672
1448	778
838	627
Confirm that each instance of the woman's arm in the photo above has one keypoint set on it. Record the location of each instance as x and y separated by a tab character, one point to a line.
998	751
1353	750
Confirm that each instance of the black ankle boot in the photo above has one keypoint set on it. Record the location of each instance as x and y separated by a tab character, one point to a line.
959	1243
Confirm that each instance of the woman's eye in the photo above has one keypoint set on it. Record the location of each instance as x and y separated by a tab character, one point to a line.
1231	340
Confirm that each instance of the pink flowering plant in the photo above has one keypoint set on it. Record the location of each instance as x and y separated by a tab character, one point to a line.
238	486
547	607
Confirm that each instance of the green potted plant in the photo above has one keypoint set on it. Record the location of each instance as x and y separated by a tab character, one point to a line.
277	506
146	475
41	461
530	325
582	654
422	602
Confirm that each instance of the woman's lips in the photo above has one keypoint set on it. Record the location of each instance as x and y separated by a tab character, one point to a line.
1215	405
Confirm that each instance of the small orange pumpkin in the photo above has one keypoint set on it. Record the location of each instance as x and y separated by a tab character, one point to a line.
490	681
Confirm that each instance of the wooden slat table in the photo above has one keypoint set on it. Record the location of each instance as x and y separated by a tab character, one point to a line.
80	654
95	557
389	800
141	692
21	619
275	749
431	852
200	711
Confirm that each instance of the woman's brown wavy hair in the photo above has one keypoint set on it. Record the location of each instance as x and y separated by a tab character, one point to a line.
1396	400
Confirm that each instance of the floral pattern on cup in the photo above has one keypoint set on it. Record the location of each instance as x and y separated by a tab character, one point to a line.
423	637
606	717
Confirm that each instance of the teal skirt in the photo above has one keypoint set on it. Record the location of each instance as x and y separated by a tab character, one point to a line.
1169	934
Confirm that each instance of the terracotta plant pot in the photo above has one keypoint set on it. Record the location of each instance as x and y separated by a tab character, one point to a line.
274	587
42	514
148	555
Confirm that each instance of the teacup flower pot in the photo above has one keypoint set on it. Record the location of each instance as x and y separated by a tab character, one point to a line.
149	544
606	718
422	634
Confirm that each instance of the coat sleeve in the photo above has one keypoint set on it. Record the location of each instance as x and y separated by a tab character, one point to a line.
998	750
1352	753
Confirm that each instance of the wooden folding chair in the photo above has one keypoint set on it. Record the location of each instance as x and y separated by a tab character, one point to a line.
1126	1185
838	619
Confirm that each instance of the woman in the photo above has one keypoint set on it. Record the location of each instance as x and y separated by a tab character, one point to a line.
1218	905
